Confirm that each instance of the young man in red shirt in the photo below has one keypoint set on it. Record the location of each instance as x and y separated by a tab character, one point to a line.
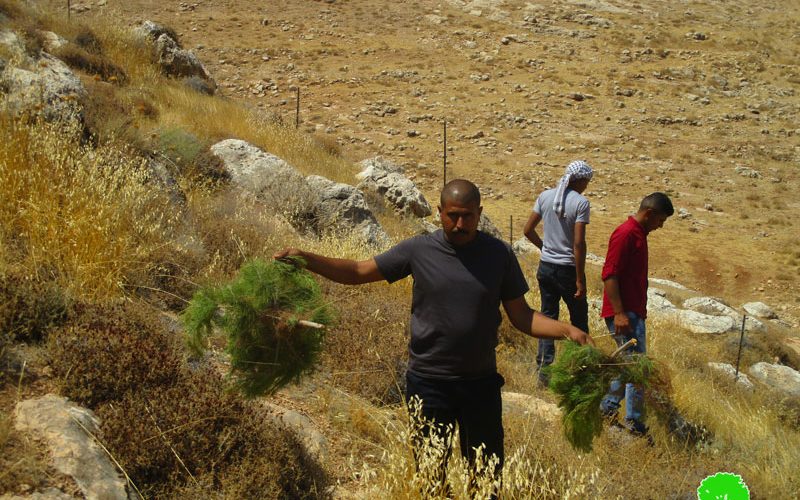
625	299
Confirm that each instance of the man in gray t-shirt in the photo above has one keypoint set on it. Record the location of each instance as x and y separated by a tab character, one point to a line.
461	277
561	274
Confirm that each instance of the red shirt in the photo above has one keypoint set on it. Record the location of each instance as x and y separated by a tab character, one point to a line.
627	260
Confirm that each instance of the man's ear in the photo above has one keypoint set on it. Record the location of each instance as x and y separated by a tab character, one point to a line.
480	211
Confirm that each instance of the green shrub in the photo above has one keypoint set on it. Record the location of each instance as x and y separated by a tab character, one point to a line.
178	145
106	351
262	314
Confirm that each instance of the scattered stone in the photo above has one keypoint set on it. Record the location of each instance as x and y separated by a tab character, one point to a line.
683	213
779	377
730	371
697	35
595	259
747	172
65	427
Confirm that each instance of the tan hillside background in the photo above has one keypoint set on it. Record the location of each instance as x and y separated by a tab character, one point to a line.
370	72
94	264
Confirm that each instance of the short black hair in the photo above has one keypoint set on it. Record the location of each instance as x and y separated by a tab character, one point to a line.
461	191
658	202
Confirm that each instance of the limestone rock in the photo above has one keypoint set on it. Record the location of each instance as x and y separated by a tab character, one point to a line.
759	310
779	377
308	434
730	371
486	225
345	207
75	453
514	402
173	59
270	179
705	323
524	246
387	179
657	302
663	282
52	41
710	305
257	171
44	85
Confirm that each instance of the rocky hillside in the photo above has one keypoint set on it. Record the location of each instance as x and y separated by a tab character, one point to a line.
698	99
157	155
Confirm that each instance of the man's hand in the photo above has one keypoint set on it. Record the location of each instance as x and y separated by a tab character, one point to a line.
580	288
286	254
579	336
622	325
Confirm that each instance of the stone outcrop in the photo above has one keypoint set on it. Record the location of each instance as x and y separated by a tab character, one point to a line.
716	307
759	310
41	84
344	207
781	378
730	371
313	204
387	179
65	428
514	402
657	302
697	322
173	59
487	226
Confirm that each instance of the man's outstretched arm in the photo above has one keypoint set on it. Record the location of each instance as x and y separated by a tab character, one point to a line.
538	325
345	271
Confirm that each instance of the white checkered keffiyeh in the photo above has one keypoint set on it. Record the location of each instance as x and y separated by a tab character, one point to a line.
578	169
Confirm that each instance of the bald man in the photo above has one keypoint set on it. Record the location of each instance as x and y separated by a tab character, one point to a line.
461	277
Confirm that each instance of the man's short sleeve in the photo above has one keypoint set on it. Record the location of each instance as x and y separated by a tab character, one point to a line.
514	283
395	263
583	211
537	207
617	255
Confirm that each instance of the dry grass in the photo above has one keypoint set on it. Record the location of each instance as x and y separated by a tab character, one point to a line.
88	219
85	218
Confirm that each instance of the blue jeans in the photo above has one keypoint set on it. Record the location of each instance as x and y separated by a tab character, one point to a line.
557	282
634	398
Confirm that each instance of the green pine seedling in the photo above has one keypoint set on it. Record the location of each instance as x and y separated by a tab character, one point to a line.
581	376
264	313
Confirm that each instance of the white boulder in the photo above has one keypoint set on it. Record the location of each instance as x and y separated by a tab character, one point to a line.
779	377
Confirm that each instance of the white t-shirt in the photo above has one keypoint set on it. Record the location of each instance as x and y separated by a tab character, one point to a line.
559	232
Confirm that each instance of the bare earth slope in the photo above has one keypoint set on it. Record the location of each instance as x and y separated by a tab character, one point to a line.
698	99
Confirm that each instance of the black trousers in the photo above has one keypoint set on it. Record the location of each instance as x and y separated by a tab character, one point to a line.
557	282
474	405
